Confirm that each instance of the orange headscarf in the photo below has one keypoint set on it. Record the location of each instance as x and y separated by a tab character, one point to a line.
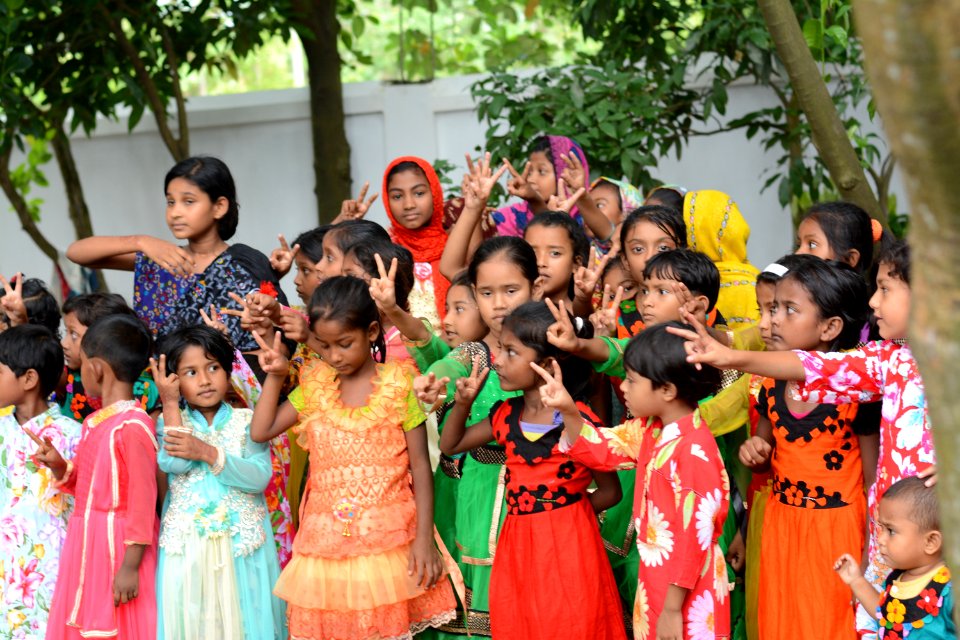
426	243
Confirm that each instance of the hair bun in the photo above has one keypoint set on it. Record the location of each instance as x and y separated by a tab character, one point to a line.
877	229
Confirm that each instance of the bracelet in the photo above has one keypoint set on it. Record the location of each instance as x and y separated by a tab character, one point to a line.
217	466
66	476
419	343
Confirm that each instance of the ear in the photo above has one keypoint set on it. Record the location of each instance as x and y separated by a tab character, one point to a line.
30	380
97	366
373	331
699	306
220	207
852	258
830	329
668	392
932	542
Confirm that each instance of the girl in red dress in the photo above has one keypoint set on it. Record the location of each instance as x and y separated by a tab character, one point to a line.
550	574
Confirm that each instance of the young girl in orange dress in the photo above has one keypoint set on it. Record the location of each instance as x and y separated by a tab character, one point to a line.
365	564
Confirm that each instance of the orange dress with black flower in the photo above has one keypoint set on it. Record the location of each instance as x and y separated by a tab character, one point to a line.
815	513
348	576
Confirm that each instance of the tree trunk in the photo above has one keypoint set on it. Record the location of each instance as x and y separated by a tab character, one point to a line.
319	29
27	223
827	130
910	50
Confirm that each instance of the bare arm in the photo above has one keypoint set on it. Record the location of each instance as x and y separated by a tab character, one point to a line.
608	491
425	563
268	420
456	438
848	570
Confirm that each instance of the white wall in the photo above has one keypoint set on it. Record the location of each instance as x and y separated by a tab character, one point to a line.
265	139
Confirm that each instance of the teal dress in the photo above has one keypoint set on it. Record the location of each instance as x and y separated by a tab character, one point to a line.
211	515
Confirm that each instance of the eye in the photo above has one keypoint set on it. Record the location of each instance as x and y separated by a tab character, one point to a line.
637	250
555	254
169	202
664	247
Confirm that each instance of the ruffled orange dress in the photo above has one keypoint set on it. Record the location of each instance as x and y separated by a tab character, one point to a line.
348	576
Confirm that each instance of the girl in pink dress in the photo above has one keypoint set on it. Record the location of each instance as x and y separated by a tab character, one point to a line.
105	587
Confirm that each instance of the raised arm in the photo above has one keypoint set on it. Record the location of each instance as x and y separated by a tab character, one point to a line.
383	292
269	420
456	438
120	252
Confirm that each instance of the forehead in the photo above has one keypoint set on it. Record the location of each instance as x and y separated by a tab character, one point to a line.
788	287
540	157
498	271
332	329
646	230
406	179
809	227
192	355
895	509
542	234
458	292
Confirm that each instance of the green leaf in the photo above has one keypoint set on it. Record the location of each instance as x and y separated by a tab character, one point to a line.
813	34
135	114
839	34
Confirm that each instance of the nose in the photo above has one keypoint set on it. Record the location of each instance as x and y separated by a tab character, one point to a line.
499	301
623	386
409	202
874	301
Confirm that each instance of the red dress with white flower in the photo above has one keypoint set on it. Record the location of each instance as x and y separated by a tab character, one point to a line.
680	504
551	577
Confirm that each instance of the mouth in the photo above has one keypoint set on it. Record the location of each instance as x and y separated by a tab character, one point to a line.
450	333
177	227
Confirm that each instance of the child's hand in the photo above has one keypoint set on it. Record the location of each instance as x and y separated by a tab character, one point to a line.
281	258
561	333
755	452
573	174
172	258
294	326
552	393
736	553
250	319
12	301
564	201
519	186
585	278
356	209
430	390
214	320
701	347
126	585
930	473
181	444
47	454
605	320
168	384
670	625
469	388
425	564
261	305
383	289
847	568
483	178
270	357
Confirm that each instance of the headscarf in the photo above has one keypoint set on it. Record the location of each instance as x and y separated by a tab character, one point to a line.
426	243
512	220
715	227
630	196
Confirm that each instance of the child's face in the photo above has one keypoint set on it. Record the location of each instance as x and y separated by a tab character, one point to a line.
11	391
462	322
643	241
512	363
542	176
891	304
766	291
555	260
812	241
353	268
658	302
71	340
332	262
501	287
639	395
607	199
190	212
796	321
307	278
203	382
410	200
344	348
900	540
617	276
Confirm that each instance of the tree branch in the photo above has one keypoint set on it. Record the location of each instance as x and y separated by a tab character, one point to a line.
174	64
16	199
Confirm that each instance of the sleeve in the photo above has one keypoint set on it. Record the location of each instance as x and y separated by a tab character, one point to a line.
166	462
606	449
414	415
250	472
430	352
296	400
497	423
842	378
139	457
613	365
729	409
763	399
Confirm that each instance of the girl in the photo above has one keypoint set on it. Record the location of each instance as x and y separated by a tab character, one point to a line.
341	238
550	554
502	273
172	283
462	322
365	564
670	196
716	228
681	494
561	248
215	507
615	199
839	231
647	231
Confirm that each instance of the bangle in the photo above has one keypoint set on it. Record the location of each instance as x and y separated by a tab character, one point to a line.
419	343
66	475
218	465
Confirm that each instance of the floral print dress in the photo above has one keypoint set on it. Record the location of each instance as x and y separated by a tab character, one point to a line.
33	523
679	506
917	609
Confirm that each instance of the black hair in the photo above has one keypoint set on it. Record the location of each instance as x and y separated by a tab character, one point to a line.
213	177
347	300
694	269
924	508
462	279
837	289
847	227
613	263
513	250
350	233
406	165
311	242
667	219
364	255
541	144
896	255
123	342
789	261
90	307
578	239
659	356
667	197
30	346
603	182
530	321
214	344
42	308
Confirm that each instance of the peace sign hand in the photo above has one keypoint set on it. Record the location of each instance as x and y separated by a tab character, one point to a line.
605	320
356	209
552	393
573	173
585	278
469	388
519	186
168	383
701	347
564	201
214	320
281	258
12	301
483	177
46	454
561	333
383	289
430	391
270	357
